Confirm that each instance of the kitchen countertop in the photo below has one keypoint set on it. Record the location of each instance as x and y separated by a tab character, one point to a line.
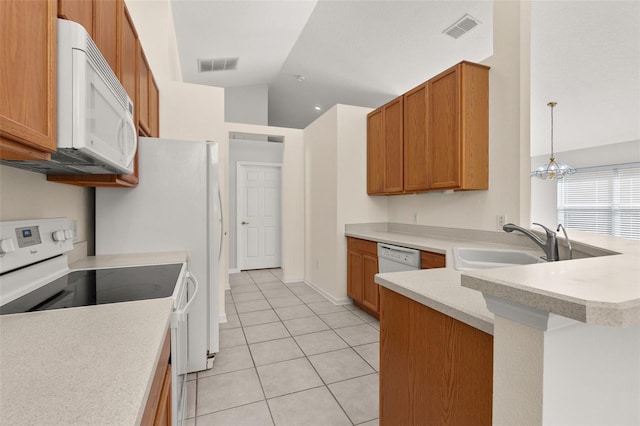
92	364
603	290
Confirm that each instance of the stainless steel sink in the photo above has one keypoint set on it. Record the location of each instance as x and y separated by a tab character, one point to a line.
465	259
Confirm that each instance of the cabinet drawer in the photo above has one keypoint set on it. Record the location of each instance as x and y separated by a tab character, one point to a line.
431	260
369	247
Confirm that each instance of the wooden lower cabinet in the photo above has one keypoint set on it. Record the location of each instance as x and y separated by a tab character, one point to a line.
434	370
430	260
362	266
157	411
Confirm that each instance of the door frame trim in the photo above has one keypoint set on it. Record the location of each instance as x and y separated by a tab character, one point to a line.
239	165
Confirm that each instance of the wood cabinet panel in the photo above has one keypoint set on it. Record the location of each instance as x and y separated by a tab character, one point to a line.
127	72
355	274
80	11
362	266
416	130
370	288
384	149
375	152
143	91
433	369
106	29
154	107
393	153
28	42
431	260
444	146
158	401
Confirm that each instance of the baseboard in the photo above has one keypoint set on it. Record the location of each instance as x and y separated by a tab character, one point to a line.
341	301
234	271
289	280
222	318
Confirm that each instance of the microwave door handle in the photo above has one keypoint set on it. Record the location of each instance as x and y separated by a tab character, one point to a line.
130	150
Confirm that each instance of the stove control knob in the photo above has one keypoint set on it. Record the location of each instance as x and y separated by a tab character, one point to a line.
68	234
58	236
6	246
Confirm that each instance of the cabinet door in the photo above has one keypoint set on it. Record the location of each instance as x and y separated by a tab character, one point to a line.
127	59
393	146
434	370
154	107
80	11
416	129
106	27
143	92
355	277
430	260
28	42
375	152
444	130
370	288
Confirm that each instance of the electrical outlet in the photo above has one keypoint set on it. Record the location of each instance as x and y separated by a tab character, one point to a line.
415	217
501	220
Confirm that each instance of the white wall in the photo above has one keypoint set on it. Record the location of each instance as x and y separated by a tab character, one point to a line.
508	148
28	195
321	203
247	104
293	243
245	150
336	194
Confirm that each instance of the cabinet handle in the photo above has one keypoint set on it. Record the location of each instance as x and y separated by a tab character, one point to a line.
244	223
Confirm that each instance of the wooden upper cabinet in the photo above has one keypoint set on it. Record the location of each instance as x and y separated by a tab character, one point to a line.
143	93
106	29
434	137
28	42
416	130
384	149
80	11
459	128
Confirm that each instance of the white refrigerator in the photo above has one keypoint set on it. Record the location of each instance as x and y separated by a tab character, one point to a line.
175	207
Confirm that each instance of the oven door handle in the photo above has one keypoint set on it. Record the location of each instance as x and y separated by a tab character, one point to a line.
181	314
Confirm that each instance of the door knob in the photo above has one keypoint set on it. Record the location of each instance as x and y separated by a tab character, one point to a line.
244	223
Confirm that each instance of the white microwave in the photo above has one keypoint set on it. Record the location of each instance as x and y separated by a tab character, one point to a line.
96	131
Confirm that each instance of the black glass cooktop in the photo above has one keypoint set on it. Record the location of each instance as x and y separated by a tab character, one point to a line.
98	287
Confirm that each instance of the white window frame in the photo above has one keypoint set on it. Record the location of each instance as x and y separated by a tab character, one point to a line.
603	199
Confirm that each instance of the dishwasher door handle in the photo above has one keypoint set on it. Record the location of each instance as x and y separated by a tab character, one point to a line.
396	248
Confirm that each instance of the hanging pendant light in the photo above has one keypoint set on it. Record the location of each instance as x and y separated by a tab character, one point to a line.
552	169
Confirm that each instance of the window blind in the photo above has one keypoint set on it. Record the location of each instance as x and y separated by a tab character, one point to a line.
605	200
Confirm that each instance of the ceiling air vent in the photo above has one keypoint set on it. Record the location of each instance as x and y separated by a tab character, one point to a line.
464	24
217	64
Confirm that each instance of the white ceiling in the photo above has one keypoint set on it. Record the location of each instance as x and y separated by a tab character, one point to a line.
355	52
585	56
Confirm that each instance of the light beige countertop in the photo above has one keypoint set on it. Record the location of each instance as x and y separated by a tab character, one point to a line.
601	290
136	259
85	365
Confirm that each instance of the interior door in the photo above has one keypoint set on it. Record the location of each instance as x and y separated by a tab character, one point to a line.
259	215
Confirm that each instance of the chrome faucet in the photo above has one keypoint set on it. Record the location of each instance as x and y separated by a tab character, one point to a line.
550	246
566	237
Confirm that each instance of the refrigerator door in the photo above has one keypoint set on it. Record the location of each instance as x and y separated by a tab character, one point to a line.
167	211
216	224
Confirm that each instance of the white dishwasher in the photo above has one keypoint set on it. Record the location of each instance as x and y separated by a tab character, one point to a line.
397	259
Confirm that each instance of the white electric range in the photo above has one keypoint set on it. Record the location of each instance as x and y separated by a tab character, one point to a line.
35	276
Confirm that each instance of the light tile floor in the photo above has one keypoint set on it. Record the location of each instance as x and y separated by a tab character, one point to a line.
288	356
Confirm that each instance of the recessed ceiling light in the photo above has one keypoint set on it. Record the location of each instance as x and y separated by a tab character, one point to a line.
317	107
300	78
